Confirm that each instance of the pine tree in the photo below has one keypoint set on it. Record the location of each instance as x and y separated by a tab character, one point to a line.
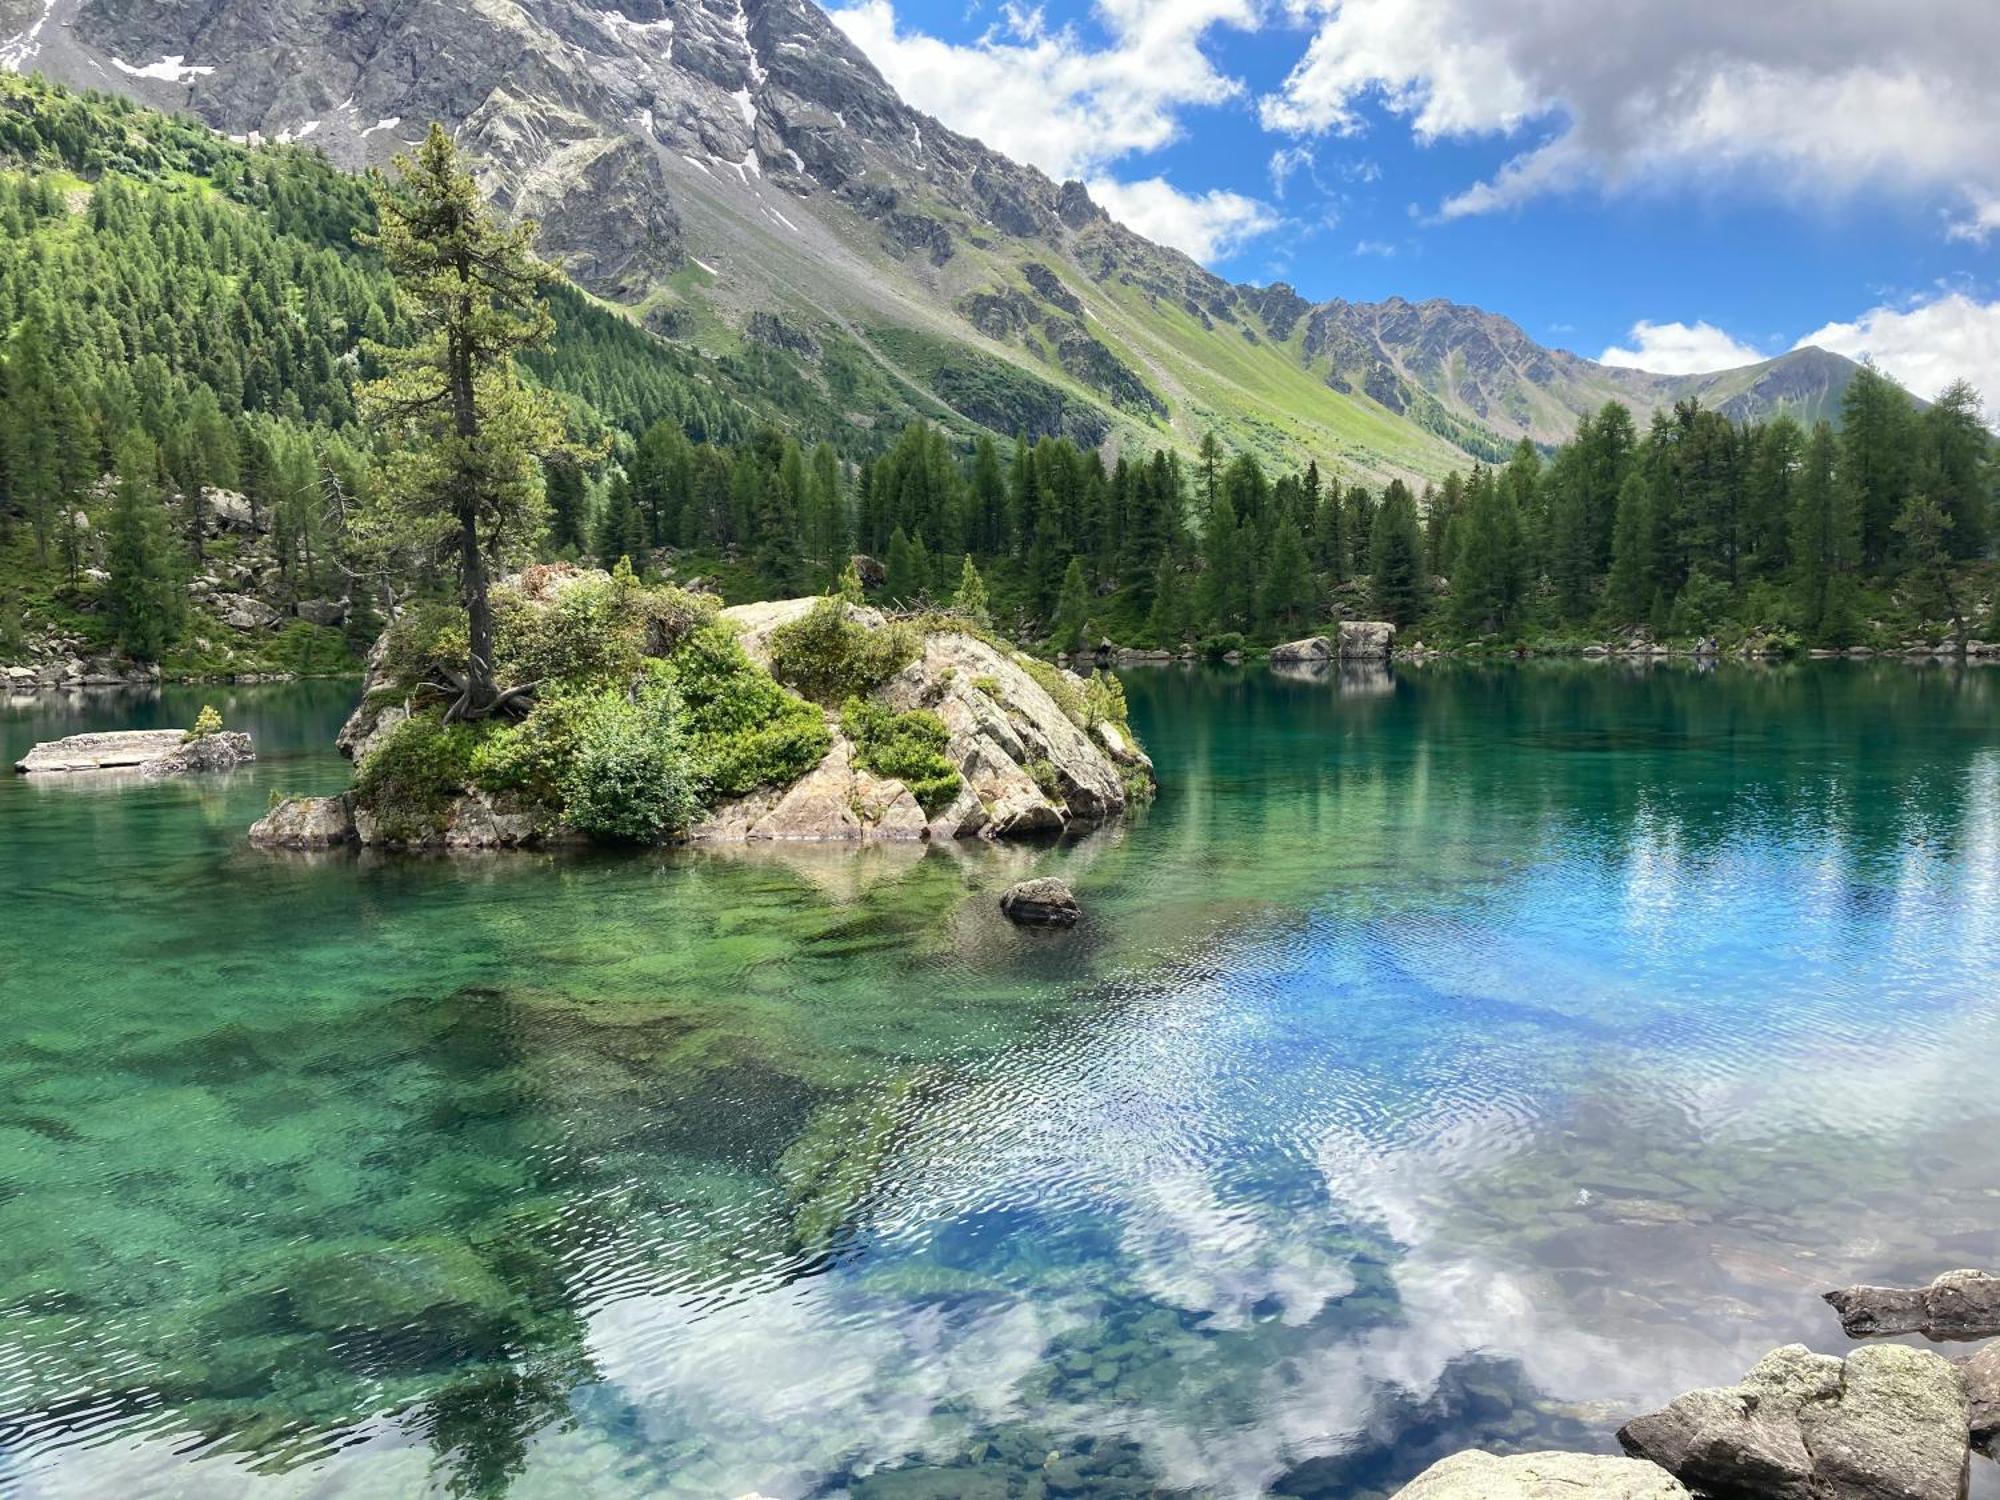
465	433
1285	594
1072	612
145	590
1826	542
1397	587
1630	589
1166	622
970	599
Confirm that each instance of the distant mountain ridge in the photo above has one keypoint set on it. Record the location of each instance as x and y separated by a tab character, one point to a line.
736	170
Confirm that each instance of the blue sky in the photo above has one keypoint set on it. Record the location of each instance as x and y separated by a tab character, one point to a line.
1695	186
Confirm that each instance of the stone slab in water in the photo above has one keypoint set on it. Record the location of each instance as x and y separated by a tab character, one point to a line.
1479	1475
1046	902
114	750
1958	1305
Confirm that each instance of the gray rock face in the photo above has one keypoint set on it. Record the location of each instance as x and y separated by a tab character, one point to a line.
1542	1476
222	751
1887	1423
1047	902
1981	1374
307	823
1958	1305
243	612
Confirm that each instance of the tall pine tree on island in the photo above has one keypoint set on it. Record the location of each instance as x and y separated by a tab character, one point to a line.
466	434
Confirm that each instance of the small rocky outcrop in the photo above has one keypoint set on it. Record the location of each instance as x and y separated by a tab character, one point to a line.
1958	1305
151	752
1477	1475
224	750
307	823
1047	902
1886	1423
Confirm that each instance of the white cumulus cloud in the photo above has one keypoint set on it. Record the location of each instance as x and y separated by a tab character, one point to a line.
1059	101
1815	96
1050	97
1208	226
1927	344
1680	349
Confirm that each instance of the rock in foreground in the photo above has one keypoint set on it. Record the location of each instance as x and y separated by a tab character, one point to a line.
152	752
1047	902
1958	1305
1478	1475
1982	1388
1887	1423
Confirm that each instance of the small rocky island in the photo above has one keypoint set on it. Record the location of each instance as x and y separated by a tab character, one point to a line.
150	752
646	714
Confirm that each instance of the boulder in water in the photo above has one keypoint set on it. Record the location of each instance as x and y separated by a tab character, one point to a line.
1886	1423
1314	648
1477	1475
307	823
1982	1388
1366	640
1958	1305
1047	902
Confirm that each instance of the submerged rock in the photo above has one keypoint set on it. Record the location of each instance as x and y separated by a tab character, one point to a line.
307	823
1958	1305
1886	1423
1477	1475
1047	902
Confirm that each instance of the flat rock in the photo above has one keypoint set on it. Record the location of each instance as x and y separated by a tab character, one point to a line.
120	749
1046	902
1886	1423
1958	1305
1477	1475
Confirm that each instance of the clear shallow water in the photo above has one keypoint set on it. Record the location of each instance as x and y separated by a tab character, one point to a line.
1468	1060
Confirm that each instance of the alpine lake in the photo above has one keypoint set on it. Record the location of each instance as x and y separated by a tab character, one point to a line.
1454	1056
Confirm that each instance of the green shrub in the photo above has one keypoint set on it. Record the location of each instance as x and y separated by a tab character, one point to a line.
829	658
1104	702
409	780
428	634
1043	774
990	686
1053	681
631	780
589	634
206	723
744	731
1216	647
908	747
534	757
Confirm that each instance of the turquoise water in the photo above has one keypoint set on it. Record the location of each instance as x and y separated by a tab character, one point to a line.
1471	1057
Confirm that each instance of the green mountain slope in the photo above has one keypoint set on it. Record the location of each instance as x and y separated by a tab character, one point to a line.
738	174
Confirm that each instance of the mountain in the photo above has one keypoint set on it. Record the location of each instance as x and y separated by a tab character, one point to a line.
739	175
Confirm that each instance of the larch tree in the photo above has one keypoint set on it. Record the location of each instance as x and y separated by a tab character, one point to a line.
466	433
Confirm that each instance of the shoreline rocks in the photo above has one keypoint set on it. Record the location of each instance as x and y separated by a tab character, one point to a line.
1354	640
1887	1423
1958	1305
150	752
1478	1475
